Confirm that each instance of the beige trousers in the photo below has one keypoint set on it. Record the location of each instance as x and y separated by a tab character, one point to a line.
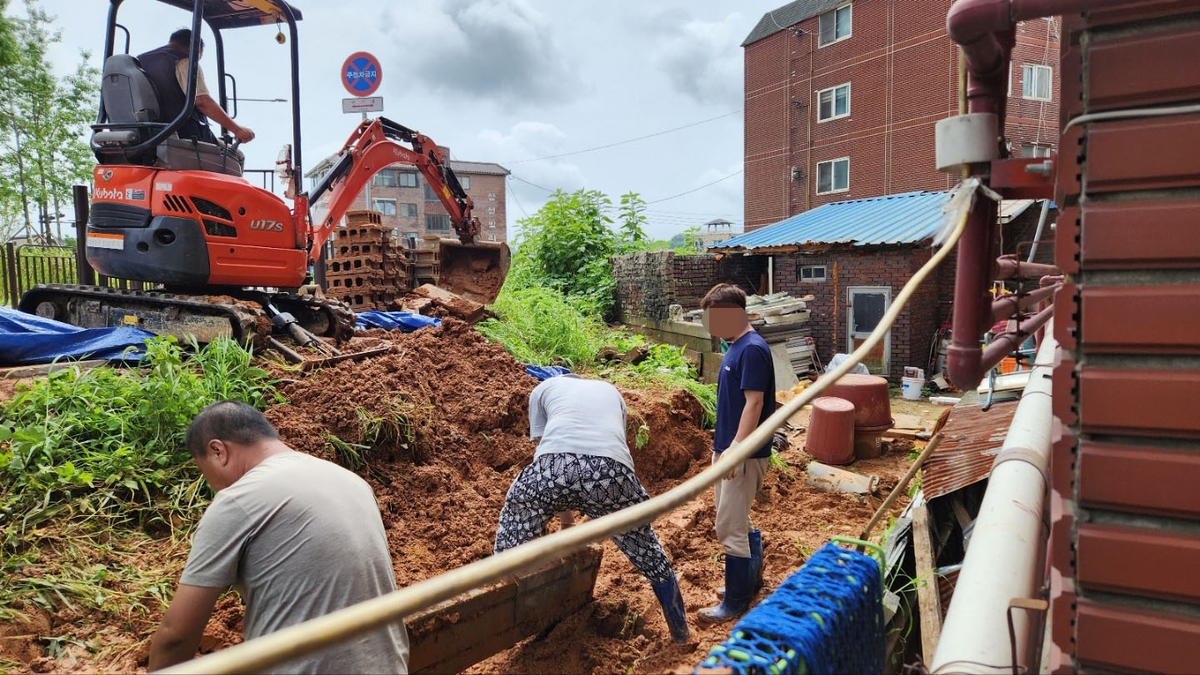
733	498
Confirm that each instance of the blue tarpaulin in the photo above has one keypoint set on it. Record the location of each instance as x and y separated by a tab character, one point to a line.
405	321
545	372
27	339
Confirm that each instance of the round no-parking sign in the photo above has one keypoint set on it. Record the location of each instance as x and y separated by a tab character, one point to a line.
361	74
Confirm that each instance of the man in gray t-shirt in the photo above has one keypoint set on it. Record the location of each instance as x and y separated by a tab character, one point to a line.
583	464
297	536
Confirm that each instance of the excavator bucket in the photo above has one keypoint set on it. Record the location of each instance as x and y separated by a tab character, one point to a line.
473	271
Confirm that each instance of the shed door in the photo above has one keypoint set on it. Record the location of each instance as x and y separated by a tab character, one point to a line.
867	306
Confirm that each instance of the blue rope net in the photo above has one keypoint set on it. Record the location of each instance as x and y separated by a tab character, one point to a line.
826	618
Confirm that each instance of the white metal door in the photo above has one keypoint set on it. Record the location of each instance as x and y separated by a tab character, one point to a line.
867	306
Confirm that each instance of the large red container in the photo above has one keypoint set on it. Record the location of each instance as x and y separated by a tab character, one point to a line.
873	410
830	437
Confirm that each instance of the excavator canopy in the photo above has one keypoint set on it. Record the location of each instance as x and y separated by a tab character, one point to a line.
222	14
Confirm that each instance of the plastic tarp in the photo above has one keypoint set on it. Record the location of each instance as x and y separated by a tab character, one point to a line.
546	372
404	321
27	339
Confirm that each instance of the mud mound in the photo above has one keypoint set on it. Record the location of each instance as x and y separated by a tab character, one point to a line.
667	426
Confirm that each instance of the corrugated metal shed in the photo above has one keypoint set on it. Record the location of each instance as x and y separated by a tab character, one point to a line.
787	16
906	218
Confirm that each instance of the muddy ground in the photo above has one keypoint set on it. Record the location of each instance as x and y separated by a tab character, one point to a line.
438	427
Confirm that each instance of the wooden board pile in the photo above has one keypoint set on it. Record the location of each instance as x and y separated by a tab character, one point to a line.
367	270
781	319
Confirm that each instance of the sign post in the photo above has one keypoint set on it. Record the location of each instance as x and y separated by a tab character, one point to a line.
361	76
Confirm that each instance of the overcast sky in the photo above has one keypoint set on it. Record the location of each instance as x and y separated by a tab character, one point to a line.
506	81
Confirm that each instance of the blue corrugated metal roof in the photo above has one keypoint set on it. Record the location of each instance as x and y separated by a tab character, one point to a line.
906	218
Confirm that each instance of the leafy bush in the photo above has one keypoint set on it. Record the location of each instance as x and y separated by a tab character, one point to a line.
108	443
540	326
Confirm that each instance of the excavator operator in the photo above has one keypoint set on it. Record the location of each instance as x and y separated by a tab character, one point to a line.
167	68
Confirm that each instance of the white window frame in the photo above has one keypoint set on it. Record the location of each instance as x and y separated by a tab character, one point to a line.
402	174
813	278
833	103
1036	150
1027	82
416	213
439	216
833	13
376	201
832	176
465	182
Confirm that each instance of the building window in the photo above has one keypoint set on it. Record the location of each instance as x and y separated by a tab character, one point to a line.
406	178
834	26
1036	81
812	273
833	176
833	103
437	222
385	206
408	210
385	178
465	182
1034	150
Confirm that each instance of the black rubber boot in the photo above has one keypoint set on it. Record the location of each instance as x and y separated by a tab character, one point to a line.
674	612
756	554
739	584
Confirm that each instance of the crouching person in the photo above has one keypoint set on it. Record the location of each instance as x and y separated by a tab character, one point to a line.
582	463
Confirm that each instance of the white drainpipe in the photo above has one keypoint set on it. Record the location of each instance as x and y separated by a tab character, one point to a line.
1005	557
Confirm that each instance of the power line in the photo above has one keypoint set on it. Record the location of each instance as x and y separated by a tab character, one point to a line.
664	199
625	142
513	175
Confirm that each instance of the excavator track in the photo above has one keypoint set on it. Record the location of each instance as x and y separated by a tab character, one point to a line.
239	314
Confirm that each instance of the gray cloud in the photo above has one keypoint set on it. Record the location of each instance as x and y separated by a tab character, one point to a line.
503	50
702	59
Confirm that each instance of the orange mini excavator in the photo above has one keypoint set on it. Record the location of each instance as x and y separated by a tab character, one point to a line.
224	256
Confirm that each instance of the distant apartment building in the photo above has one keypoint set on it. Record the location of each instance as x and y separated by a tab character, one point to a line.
841	99
410	205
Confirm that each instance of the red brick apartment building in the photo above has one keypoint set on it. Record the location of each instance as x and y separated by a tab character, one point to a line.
409	205
842	98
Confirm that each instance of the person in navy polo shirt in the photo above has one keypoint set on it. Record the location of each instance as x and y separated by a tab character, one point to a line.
745	398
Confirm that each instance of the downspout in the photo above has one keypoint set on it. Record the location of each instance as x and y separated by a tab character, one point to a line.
808	115
1005	557
985	29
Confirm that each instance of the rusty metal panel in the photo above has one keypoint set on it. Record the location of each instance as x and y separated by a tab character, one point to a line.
1135	561
1142	479
971	439
1126	639
1143	154
1140	234
1139	402
1141	319
1141	69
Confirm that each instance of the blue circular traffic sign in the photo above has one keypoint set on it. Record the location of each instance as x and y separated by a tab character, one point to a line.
361	74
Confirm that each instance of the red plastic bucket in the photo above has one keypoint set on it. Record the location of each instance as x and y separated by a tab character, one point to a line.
830	437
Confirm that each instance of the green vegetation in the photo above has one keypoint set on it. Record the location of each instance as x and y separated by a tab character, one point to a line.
99	454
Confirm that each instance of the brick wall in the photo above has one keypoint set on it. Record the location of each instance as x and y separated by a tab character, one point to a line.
649	283
902	71
913	332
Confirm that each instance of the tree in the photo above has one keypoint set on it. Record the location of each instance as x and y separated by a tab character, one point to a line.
632	216
43	123
566	246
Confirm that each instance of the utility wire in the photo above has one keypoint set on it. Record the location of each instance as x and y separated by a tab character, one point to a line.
625	142
664	199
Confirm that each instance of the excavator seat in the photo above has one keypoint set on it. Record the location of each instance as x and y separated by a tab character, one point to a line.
131	104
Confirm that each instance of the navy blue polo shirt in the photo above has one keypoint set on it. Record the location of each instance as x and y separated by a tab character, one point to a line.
747	365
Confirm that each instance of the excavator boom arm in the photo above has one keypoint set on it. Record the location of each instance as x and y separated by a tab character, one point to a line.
375	145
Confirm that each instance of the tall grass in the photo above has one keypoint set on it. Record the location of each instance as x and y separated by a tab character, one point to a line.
540	326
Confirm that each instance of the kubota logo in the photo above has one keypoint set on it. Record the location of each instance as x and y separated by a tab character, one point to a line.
266	225
108	193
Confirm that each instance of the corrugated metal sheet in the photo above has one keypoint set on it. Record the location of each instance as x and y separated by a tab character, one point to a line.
1011	208
461	166
906	218
970	440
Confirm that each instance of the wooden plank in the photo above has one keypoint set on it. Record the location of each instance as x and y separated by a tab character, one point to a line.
927	590
461	632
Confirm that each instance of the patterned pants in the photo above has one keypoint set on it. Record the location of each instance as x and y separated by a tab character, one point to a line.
595	486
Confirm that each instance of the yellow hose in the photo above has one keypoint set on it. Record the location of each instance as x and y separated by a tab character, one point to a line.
305	638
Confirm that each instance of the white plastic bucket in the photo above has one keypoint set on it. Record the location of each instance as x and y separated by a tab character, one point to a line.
910	388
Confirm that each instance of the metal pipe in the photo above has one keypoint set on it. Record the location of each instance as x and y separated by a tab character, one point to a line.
972	302
1004	560
1011	267
1005	343
1006	307
1037	236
